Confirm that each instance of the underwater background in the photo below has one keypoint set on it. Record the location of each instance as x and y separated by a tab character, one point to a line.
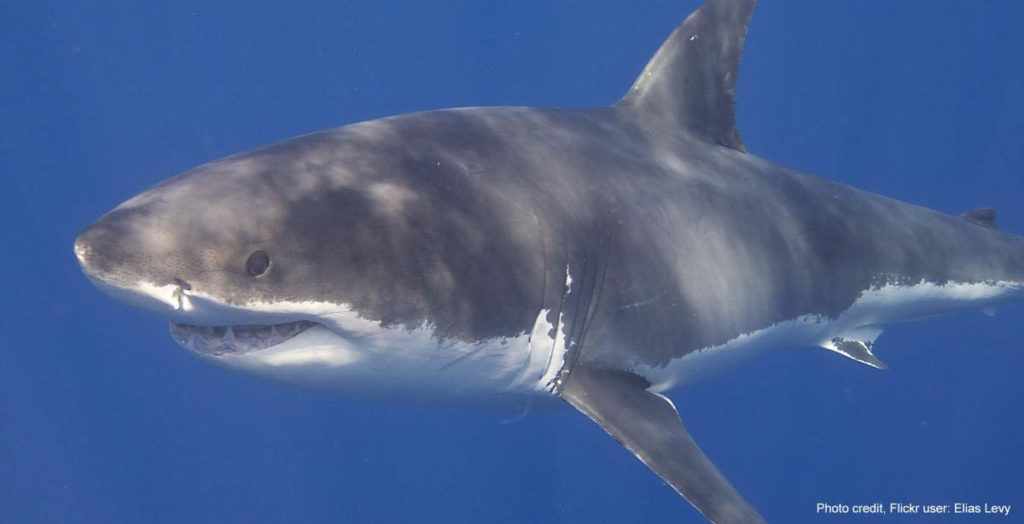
104	419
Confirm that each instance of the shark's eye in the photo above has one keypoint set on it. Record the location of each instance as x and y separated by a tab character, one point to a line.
258	263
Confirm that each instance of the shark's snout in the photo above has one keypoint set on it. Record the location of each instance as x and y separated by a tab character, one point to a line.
104	249
83	251
102	254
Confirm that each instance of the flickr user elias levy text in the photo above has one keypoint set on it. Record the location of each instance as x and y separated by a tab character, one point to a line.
909	508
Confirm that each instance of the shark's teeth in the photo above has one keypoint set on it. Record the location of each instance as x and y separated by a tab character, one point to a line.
221	340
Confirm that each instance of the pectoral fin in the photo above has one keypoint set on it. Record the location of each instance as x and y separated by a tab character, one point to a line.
649	426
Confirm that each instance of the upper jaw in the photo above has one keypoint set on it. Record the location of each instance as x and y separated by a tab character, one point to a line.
179	303
225	340
208	326
164	300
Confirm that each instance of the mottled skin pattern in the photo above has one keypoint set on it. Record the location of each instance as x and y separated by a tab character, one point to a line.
643	230
466	220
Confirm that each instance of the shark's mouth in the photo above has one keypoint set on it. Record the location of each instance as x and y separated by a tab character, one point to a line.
224	340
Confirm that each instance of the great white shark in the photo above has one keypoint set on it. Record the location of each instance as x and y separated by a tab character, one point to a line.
511	256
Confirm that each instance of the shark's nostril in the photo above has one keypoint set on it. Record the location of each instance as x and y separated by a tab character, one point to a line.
185	286
179	294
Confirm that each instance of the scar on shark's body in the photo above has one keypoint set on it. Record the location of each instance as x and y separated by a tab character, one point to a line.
517	257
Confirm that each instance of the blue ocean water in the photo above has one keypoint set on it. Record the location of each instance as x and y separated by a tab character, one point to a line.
104	419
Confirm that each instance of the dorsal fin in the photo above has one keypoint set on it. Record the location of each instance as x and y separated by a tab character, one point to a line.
691	79
984	216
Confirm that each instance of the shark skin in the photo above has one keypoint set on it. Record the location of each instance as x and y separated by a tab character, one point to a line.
511	256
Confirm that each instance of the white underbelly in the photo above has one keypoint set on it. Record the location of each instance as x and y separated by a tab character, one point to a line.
400	365
863	321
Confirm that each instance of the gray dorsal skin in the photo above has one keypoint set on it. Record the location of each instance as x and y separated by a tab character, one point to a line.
513	256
